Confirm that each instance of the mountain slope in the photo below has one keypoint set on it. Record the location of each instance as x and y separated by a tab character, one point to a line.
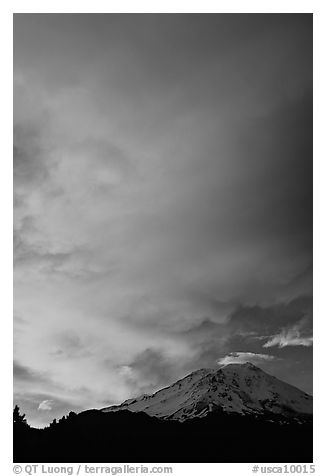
233	389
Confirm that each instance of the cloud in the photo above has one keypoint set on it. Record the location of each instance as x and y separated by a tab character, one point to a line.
242	327
26	374
46	405
150	369
163	185
265	320
242	357
290	337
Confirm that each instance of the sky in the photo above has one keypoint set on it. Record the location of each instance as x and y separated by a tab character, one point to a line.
162	202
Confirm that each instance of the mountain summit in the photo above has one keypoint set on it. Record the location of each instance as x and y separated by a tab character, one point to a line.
232	389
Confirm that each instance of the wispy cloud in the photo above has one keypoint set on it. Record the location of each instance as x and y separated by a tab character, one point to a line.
242	357
290	337
46	405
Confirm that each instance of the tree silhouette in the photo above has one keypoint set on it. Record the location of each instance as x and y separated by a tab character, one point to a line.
19	420
53	423
63	419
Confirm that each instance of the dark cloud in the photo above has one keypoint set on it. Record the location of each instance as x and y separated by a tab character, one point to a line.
167	46
150	370
70	345
270	319
31	155
21	372
153	365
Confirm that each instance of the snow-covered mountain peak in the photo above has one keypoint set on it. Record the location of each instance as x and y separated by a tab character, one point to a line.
242	366
233	388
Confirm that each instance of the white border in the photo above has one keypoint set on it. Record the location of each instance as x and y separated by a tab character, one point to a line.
204	6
